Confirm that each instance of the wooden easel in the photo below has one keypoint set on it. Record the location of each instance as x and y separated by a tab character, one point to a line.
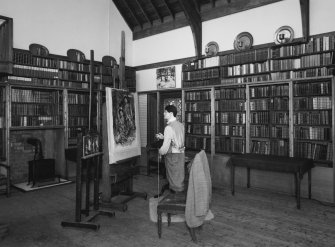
88	161
91	160
118	173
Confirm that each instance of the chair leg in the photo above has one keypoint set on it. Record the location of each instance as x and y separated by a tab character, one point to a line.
159	224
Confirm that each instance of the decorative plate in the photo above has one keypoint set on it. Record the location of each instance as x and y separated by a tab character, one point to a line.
211	48
243	41
283	35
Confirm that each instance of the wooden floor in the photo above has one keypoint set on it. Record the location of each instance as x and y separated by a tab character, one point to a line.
250	218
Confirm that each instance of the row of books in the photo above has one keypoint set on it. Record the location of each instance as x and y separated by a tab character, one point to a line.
269	91
76	98
78	121
198	117
230	93
313	133
273	147
201	106
78	110
245	57
229	145
198	129
35	121
281	132
68	65
230	105
306	73
25	58
312	103
35	96
312	118
260	117
245	79
279	117
230	130
197	143
74	76
262	131
198	95
201	74
313	88
37	72
230	117
245	69
315	151
315	60
315	44
198	83
36	109
35	81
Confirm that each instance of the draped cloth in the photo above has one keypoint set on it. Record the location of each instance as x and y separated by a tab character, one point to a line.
199	192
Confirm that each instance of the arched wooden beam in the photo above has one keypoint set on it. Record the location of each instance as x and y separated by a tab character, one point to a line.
194	19
304	7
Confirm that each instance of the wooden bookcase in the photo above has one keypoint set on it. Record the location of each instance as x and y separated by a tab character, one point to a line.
198	119
2	122
6	45
47	97
230	119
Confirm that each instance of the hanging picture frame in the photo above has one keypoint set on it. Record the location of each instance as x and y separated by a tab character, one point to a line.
166	77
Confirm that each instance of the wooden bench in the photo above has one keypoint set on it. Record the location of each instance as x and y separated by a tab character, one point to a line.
297	166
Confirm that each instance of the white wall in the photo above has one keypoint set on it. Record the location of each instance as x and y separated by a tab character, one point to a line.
261	22
61	25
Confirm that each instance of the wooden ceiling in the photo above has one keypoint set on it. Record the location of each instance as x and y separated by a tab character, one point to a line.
150	17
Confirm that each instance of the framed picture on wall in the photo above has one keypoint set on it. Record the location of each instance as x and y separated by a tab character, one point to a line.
166	77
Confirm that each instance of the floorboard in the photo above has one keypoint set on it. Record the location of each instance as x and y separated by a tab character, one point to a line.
250	218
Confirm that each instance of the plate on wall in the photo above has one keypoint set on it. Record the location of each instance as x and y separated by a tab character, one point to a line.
212	48
243	41
283	35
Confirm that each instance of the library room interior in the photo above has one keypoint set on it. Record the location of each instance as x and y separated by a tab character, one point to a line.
167	123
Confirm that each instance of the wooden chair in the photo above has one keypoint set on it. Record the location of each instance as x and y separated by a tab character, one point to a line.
5	179
176	204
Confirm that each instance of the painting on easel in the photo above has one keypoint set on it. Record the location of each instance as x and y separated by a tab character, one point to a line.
122	125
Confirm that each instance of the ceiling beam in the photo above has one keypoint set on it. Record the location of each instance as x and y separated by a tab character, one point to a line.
132	13
156	11
197	5
233	7
194	20
144	13
169	9
117	4
304	7
213	3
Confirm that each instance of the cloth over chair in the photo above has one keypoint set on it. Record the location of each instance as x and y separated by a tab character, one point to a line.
195	203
